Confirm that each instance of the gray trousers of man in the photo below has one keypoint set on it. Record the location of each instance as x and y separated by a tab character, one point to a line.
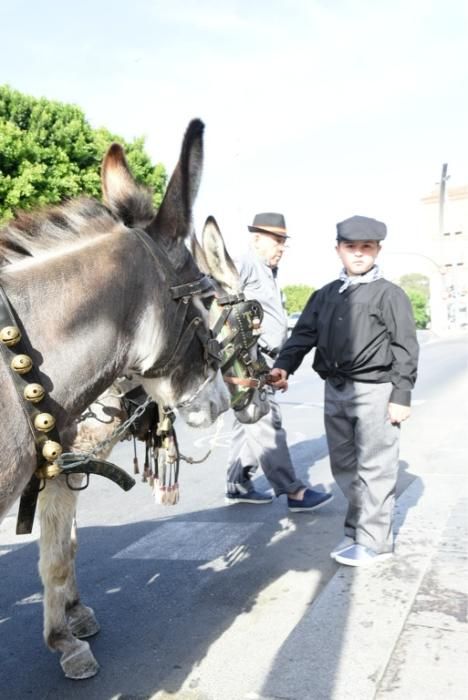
263	444
364	446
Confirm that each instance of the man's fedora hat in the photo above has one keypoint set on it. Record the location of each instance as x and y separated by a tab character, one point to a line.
269	222
361	228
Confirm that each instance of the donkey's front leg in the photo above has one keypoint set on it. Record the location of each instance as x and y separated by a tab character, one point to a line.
80	617
57	507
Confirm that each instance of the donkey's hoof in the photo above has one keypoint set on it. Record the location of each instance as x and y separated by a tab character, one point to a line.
79	663
82	621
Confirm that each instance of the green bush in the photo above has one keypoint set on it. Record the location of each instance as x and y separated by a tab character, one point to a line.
420	309
49	152
296	296
416	286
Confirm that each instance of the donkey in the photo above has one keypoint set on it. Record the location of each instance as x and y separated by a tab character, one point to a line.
95	297
243	369
97	425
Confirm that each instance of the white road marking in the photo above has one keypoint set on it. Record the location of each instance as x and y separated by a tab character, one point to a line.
33	599
221	440
300	406
189	541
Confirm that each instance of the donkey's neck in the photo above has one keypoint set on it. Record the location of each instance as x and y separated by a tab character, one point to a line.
76	311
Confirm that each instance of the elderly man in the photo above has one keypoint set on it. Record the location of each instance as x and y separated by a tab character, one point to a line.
264	443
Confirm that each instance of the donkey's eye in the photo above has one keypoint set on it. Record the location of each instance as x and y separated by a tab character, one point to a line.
207	301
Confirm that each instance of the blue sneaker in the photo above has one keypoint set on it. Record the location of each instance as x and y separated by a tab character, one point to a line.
312	500
254	497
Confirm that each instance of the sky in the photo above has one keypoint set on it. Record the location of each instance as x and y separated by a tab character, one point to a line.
319	109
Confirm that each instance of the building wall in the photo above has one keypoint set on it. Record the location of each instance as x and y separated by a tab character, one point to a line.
446	244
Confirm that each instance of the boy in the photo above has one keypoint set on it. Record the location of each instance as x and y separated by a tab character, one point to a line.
366	350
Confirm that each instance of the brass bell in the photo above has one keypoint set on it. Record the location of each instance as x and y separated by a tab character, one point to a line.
48	471
44	422
51	450
33	392
10	335
21	364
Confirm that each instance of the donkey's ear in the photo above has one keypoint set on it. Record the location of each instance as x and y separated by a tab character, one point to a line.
174	217
129	201
219	261
198	254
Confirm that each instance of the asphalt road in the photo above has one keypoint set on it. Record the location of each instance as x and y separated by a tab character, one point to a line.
196	599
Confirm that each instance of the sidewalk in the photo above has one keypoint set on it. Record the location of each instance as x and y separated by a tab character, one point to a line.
399	628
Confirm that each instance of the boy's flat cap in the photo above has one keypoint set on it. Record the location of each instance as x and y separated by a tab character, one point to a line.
360	228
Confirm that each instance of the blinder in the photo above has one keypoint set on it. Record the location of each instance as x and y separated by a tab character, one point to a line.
195	327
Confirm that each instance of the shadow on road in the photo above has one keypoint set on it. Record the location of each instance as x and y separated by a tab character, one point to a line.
161	616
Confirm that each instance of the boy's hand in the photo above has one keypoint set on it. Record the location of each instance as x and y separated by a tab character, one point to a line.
278	378
398	413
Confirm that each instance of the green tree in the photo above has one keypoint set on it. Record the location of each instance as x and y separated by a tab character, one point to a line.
420	309
296	296
48	152
417	288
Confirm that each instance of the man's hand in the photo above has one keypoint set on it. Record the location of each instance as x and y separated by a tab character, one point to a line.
278	378
398	413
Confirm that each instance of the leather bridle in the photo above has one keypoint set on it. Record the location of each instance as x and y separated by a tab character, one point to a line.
227	343
237	329
186	323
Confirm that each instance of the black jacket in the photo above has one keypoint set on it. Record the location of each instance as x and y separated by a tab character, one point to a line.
366	334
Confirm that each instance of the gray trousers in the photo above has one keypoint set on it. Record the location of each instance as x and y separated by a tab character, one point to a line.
363	446
261	444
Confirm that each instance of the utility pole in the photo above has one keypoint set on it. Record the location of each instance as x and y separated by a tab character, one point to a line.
443	180
436	290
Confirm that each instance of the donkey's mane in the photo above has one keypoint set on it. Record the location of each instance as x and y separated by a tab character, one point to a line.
41	231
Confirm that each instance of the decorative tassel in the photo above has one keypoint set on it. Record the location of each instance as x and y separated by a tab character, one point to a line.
136	468
146	470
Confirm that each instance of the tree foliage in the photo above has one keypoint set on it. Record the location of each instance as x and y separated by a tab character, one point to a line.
296	296
416	286
420	308
49	152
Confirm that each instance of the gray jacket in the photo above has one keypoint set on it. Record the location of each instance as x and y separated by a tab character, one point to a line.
258	282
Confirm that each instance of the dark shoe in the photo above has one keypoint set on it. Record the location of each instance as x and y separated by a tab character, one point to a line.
255	497
312	500
358	555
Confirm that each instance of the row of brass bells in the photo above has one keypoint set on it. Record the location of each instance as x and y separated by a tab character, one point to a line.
10	335
43	422
51	451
